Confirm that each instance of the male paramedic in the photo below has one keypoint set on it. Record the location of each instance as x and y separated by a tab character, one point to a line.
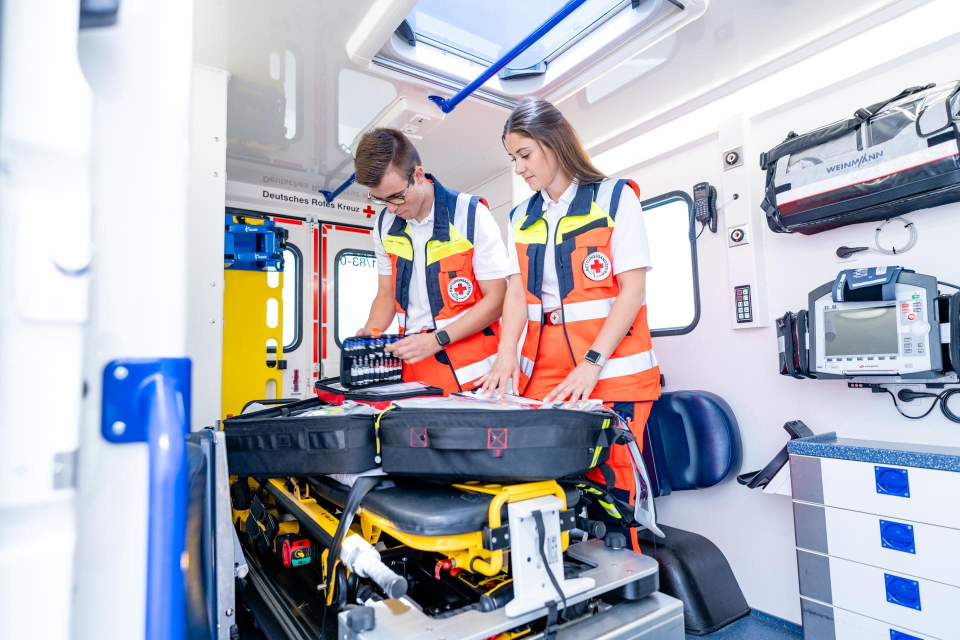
442	265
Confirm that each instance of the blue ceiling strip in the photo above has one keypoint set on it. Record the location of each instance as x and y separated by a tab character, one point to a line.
449	105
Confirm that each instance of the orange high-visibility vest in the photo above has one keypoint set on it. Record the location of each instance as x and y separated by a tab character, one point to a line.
452	289
587	289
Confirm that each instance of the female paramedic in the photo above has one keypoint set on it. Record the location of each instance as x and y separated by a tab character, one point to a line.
441	264
577	278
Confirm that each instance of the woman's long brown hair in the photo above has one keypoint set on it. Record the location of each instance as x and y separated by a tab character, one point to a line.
538	119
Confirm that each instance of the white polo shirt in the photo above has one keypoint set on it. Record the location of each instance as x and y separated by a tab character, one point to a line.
629	248
489	257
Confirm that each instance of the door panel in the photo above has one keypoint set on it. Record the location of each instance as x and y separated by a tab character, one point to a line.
297	310
347	287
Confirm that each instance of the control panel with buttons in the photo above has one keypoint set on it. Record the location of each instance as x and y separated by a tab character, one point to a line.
741	296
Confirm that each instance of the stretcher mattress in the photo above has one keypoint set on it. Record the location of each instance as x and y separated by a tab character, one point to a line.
423	508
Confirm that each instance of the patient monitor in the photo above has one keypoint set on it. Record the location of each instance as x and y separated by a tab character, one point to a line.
876	323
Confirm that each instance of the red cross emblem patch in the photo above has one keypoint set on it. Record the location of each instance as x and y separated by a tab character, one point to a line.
459	289
596	266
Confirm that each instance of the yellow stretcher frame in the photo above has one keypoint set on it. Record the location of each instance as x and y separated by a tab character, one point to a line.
465	550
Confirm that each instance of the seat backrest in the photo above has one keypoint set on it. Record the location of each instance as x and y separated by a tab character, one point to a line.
692	441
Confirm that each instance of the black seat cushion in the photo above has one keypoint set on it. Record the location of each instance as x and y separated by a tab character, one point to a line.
424	508
692	441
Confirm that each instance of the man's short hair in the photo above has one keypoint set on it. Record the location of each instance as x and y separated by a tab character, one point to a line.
381	148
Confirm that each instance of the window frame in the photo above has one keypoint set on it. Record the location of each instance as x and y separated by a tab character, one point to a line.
660	200
336	282
596	50
298	292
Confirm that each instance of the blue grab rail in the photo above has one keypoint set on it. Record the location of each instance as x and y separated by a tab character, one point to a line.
148	401
449	105
330	195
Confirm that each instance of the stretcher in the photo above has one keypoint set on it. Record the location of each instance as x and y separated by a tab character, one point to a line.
466	560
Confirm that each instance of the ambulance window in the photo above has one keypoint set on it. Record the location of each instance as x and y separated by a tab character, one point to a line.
355	278
283	68
290	297
485	31
673	290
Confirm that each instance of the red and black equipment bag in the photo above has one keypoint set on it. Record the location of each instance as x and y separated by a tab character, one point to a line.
459	439
890	158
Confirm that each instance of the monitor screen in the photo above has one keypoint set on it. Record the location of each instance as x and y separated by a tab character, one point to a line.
854	332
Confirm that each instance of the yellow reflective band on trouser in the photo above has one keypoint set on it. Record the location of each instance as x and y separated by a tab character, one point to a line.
610	509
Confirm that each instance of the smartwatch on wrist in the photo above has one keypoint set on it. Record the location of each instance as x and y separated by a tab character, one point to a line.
443	338
594	357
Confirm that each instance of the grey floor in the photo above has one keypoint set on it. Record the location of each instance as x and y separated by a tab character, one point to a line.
756	626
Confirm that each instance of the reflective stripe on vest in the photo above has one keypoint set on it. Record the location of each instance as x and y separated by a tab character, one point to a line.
452	288
587	286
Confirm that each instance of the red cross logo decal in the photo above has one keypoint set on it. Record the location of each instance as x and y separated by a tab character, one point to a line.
460	289
369	211
597	266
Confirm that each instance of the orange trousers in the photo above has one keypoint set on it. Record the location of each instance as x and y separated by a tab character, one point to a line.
554	363
433	372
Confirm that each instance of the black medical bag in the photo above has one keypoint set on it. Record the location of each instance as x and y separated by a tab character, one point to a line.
522	445
283	441
893	157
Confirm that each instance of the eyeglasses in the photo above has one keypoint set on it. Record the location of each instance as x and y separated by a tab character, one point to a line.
400	199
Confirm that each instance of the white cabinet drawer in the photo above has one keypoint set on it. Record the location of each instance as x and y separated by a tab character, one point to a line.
823	622
900	545
900	600
911	493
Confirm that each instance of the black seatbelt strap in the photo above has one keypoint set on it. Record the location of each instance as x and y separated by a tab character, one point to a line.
754	479
552	617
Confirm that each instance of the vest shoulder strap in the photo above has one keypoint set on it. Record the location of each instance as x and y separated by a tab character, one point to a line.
383	214
615	196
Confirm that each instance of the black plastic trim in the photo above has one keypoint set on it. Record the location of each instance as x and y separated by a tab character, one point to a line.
653	203
298	306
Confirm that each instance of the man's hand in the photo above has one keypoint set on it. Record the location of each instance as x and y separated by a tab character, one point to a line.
413	349
578	385
364	332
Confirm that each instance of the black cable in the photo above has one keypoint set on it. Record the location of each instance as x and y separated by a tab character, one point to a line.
947	284
900	411
946	395
704	227
939	398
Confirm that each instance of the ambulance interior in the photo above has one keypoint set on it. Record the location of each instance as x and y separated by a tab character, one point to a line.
143	141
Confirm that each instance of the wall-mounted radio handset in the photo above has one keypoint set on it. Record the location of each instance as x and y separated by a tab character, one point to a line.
705	205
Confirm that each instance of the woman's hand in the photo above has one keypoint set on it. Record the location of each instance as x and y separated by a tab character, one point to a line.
504	376
578	385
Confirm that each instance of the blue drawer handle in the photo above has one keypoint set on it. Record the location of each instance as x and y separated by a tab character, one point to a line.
892	481
900	635
902	591
897	536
